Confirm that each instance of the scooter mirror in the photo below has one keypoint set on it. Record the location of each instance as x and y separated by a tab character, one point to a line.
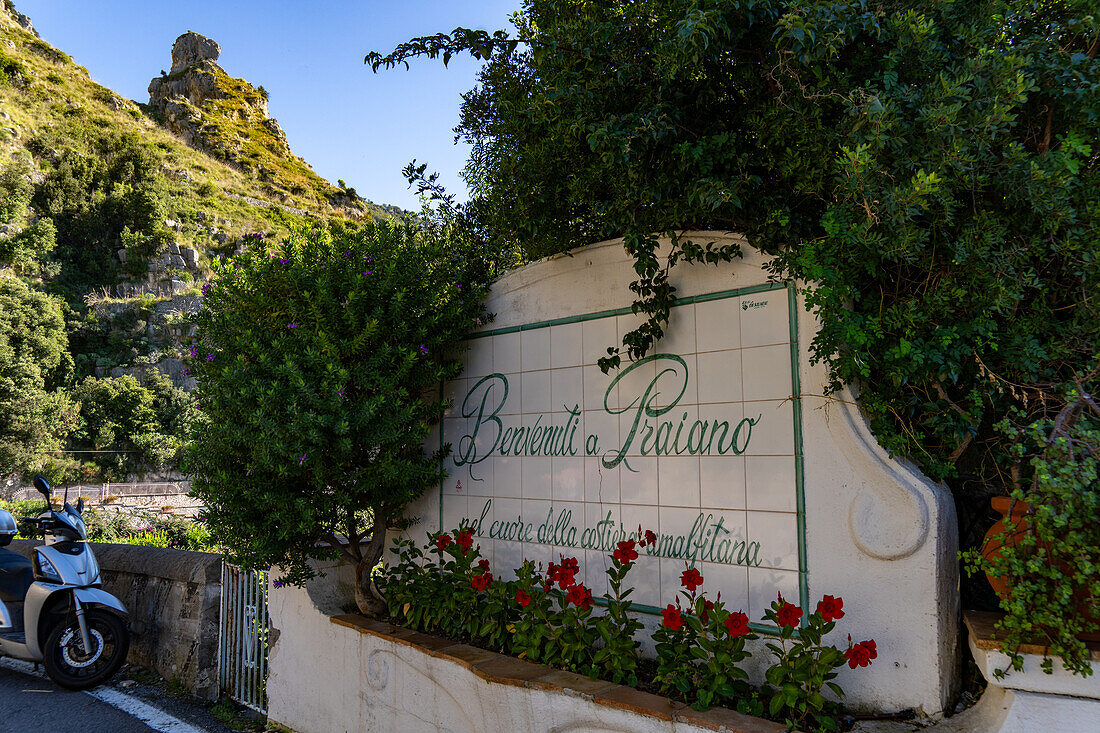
80	505
43	486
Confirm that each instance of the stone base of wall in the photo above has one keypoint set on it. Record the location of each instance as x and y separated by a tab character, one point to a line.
173	597
1027	700
331	674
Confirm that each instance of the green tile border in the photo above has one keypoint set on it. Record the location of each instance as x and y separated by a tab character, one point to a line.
796	391
566	320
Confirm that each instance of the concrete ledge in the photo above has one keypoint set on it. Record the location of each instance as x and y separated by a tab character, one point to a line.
156	562
505	670
1024	701
989	658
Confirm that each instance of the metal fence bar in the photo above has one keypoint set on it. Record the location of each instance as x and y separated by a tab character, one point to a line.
244	636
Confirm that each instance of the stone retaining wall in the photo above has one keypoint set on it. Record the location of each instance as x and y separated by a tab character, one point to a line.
173	597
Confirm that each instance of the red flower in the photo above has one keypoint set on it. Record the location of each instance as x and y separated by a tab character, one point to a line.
650	538
691	579
672	617
626	553
522	599
465	540
789	614
580	596
861	654
566	578
481	582
708	606
483	564
737	624
552	572
443	540
567	572
831	608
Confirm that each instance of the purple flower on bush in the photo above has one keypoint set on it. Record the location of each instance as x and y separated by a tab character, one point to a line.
423	349
210	357
368	272
278	583
341	393
186	372
292	325
284	261
193	350
301	459
206	290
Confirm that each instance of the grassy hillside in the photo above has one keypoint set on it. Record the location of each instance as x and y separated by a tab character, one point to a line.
116	221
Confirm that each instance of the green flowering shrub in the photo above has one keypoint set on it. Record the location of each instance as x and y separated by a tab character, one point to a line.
318	368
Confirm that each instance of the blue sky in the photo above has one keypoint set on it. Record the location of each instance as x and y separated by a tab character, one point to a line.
344	120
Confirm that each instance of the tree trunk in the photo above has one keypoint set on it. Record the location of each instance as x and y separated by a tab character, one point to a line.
368	603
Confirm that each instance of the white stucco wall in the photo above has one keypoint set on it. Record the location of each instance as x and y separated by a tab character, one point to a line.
878	533
328	678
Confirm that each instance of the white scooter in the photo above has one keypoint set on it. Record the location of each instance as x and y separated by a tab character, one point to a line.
52	609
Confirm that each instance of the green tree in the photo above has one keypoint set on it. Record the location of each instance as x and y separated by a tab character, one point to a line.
318	374
15	192
92	199
134	426
27	250
35	415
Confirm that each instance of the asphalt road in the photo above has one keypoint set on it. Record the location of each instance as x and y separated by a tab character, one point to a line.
34	705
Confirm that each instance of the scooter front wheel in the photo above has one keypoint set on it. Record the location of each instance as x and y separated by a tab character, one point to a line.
72	666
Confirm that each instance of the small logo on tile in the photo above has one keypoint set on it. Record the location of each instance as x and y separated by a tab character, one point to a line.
747	304
458	486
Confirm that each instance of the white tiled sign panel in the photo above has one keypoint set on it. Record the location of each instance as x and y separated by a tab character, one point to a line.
697	442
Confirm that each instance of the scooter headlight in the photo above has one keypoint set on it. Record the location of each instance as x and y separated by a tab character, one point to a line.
44	569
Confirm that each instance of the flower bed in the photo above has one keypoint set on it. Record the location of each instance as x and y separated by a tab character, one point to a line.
547	617
505	670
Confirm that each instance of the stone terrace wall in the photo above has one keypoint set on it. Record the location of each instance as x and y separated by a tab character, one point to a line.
173	597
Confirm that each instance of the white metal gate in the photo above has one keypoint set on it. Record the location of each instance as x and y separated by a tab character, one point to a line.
244	629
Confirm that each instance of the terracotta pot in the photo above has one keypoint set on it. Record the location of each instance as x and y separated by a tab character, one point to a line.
1017	510
992	544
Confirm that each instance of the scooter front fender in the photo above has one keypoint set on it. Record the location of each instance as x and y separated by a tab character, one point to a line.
40	597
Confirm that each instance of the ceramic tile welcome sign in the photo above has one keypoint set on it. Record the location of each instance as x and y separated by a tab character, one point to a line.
722	441
697	442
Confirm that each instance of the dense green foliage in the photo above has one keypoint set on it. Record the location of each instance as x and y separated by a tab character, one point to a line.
931	168
1053	592
93	198
318	369
130	425
34	361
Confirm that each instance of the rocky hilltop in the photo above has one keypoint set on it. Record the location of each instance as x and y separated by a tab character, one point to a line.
227	118
123	207
113	217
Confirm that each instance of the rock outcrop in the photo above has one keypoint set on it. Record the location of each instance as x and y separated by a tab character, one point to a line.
188	99
191	49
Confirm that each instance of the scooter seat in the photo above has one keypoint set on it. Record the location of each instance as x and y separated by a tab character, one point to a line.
16	576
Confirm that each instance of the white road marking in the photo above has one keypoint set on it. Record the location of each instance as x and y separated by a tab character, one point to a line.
155	718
